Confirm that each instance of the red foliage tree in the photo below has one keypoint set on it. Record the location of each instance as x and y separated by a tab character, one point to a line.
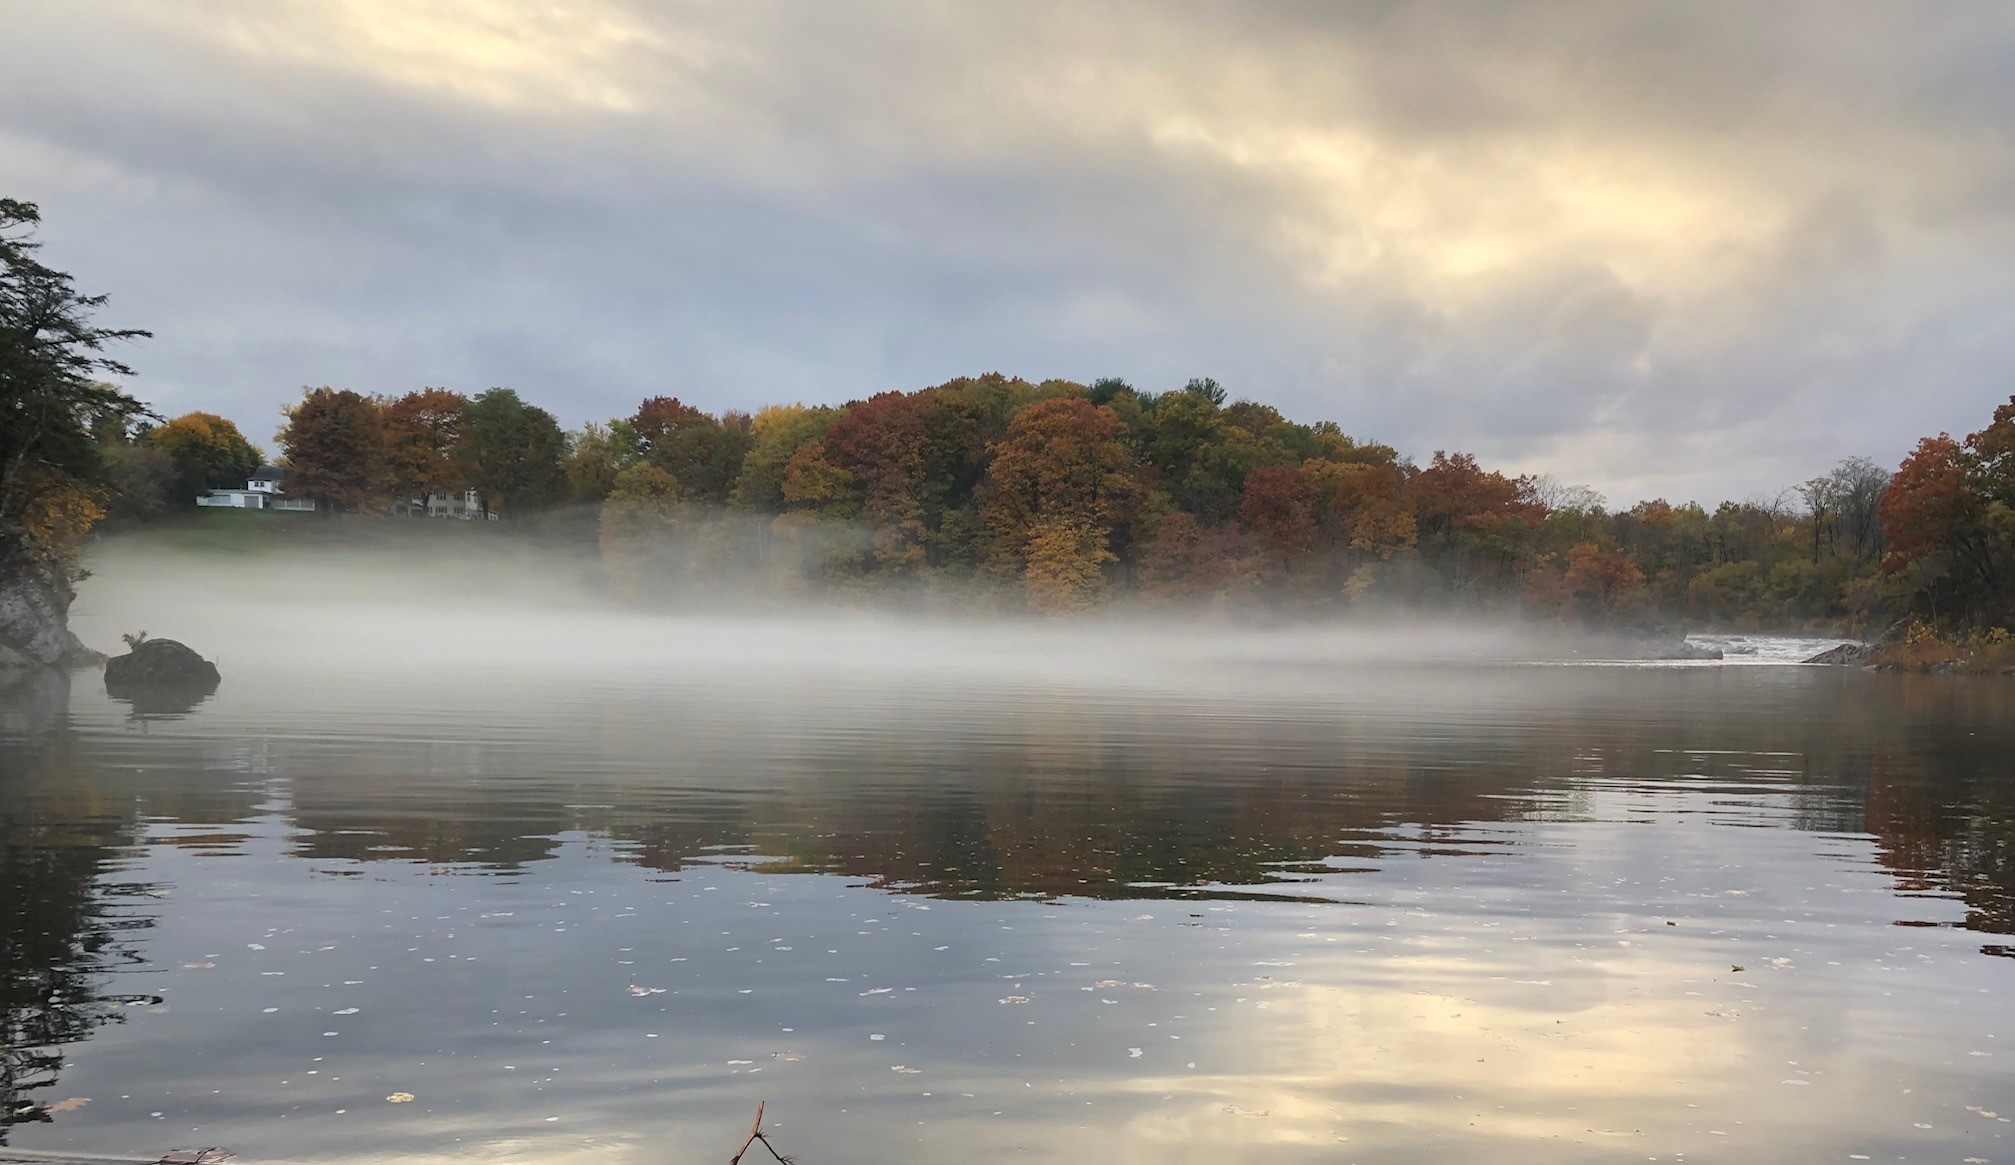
423	434
1279	507
1456	496
335	450
880	444
1929	503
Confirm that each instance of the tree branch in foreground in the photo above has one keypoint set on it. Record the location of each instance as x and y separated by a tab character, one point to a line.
756	1134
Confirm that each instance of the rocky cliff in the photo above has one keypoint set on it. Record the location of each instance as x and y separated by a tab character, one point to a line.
35	616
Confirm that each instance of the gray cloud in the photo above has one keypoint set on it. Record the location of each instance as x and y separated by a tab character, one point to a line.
1695	249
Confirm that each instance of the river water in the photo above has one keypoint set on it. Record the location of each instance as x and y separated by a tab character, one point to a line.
1289	909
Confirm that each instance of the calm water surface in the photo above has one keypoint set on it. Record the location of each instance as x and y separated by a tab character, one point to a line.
1366	913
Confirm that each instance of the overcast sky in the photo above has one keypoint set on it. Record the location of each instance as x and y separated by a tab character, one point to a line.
1697	250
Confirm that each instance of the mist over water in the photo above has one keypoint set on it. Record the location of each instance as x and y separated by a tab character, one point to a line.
498	610
588	881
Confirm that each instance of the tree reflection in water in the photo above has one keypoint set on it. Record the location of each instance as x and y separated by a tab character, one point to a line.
1023	797
1040	799
63	922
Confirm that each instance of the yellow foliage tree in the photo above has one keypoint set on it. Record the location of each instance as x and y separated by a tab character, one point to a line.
1066	559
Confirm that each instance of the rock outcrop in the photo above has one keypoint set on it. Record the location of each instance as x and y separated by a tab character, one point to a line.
34	618
159	663
1846	655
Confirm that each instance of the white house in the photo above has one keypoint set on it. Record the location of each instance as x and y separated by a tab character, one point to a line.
262	492
464	505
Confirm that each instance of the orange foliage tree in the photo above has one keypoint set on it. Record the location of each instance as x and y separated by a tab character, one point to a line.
424	432
1063	473
1362	506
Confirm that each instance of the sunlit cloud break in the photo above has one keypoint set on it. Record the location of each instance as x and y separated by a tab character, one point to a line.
1687	250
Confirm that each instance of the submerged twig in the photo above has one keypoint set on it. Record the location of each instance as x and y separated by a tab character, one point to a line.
756	1134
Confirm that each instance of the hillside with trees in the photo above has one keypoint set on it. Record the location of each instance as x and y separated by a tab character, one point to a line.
993	492
1061	497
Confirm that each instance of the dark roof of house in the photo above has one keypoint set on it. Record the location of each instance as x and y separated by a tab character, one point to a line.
268	473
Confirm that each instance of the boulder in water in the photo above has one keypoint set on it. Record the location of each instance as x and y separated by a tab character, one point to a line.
159	663
1845	655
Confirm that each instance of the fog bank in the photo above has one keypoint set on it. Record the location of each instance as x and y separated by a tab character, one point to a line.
501	608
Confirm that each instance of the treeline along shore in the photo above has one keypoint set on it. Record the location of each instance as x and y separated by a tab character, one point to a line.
996	492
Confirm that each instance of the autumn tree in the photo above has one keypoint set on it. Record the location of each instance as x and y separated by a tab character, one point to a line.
1200	449
1179	562
1279	507
703	452
880	444
965	420
1475	523
1592	582
207	451
511	453
1666	541
1188	562
1064	473
775	435
334	450
1064	564
1948	516
1601	578
821	540
423	443
1362	506
813	485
